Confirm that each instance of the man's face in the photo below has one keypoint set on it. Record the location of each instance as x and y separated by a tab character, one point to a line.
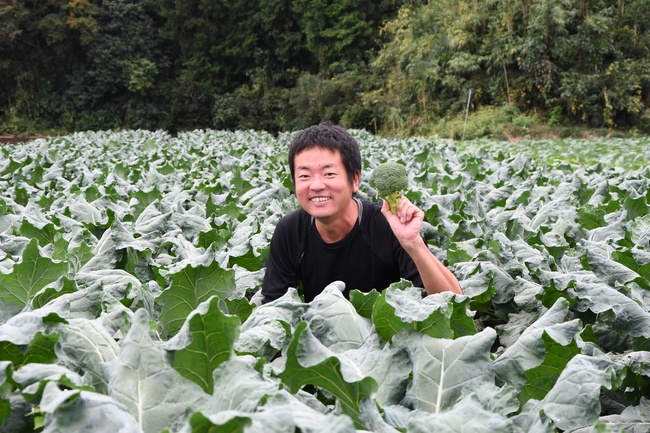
322	185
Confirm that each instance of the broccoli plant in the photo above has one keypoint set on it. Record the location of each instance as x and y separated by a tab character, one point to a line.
390	179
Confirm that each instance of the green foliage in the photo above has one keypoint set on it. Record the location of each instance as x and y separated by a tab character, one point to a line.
494	122
435	317
29	276
39	350
541	379
327	374
312	99
139	75
190	287
152	321
399	67
96	57
339	33
212	337
582	59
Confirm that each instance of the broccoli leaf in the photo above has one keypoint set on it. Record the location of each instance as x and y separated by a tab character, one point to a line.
30	275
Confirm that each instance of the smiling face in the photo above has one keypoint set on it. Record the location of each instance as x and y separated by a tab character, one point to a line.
322	185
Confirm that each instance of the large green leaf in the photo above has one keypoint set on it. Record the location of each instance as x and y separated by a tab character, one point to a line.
33	377
68	411
364	302
288	308
610	271
280	415
264	339
386	364
540	380
591	217
614	309
87	303
574	401
249	261
22	328
443	368
143	199
238	386
479	286
371	419
635	207
30	275
487	280
628	259
634	419
199	423
85	345
47	234
311	363
639	231
637	362
152	222
334	320
210	336
40	349
190	287
6	386
52	291
141	379
467	415
529	350
440	316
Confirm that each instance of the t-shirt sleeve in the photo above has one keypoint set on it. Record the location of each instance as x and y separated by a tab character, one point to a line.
282	267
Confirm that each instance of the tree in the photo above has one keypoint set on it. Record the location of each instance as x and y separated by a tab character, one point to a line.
583	59
340	32
39	44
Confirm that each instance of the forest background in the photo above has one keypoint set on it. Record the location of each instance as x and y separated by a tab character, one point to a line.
395	67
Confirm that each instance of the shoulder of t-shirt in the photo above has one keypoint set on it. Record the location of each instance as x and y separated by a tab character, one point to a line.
372	213
294	219
377	232
371	208
290	232
374	226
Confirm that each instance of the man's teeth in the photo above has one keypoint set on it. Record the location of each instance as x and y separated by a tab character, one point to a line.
320	199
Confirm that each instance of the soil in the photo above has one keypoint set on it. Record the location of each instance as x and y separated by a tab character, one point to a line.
10	139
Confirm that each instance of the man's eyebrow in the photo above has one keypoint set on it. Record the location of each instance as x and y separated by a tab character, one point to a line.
326	166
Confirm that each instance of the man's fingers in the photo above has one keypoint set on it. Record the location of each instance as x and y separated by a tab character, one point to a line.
406	210
385	209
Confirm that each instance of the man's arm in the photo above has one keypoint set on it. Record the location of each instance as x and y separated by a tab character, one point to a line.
406	226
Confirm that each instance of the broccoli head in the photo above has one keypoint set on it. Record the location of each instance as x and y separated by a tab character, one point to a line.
390	179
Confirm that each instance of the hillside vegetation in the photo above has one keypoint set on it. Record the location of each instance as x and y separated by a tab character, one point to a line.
398	67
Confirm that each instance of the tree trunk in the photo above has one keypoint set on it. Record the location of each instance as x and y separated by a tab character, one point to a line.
505	73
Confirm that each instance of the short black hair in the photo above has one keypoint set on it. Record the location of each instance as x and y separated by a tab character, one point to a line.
328	136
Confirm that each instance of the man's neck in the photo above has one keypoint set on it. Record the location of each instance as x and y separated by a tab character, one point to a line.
335	229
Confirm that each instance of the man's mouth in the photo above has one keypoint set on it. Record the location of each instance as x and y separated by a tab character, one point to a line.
319	199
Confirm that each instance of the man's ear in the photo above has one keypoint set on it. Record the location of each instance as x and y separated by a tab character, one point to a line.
355	181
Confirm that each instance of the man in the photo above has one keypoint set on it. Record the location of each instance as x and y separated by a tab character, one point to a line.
337	237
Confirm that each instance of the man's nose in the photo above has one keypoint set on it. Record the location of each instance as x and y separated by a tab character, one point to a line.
317	183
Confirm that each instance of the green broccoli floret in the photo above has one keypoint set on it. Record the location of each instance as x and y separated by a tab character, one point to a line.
390	179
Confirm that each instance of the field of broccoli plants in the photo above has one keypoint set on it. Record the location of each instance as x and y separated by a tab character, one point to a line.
626	154
131	264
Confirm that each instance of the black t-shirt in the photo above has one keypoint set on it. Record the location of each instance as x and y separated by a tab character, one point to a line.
370	256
